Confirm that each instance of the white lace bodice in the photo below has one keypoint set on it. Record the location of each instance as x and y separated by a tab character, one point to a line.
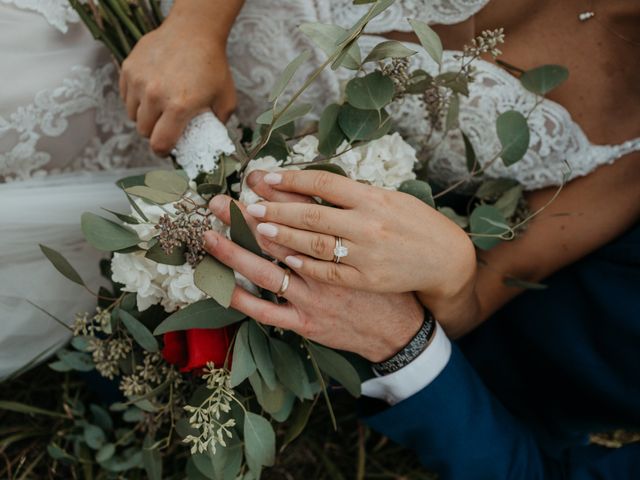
59	106
265	38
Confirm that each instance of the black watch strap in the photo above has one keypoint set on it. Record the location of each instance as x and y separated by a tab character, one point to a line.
412	350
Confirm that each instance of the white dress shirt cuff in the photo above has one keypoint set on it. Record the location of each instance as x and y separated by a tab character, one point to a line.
410	379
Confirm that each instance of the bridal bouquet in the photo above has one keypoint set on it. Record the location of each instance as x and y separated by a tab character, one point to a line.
194	374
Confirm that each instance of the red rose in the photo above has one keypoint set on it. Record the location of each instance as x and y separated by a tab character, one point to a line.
193	349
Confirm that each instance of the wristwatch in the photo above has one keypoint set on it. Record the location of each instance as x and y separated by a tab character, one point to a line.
412	350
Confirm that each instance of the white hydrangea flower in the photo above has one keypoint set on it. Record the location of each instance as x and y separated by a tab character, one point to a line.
139	275
306	150
179	287
385	162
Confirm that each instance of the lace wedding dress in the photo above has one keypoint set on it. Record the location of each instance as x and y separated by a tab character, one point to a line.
64	141
63	134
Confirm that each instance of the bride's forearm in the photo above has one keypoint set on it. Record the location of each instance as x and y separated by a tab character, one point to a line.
214	18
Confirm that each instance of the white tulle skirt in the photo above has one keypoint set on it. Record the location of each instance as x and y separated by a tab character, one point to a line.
47	211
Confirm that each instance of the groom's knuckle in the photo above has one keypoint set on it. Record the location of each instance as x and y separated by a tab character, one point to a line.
311	216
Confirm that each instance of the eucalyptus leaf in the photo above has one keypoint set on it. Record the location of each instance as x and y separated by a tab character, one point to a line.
289	368
513	133
106	452
57	453
176	258
429	39
94	436
133	415
139	332
371	92
298	423
455	82
28	409
493	188
327	37
283	414
508	202
240	231
292	113
419	81
60	366
419	189
79	361
260	439
106	235
259	344
337	367
469	153
243	362
358	124
276	147
132	181
203	314
330	136
543	79
152	459
169	181
453	112
101	417
154	196
215	279
287	74
450	213
123	218
388	49
62	264
484	220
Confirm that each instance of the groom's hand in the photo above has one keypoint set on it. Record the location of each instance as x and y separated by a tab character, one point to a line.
180	70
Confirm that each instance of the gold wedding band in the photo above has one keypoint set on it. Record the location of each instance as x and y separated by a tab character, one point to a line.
285	283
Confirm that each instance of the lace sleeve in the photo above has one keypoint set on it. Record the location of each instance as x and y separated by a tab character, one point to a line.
57	12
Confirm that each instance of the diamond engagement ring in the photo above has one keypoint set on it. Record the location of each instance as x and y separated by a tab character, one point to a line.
340	251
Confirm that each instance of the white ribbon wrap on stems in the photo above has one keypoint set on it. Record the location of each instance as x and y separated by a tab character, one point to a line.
202	143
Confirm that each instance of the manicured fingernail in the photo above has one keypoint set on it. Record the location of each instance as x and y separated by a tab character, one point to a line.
217	204
272	178
254	178
267	229
257	210
293	262
210	239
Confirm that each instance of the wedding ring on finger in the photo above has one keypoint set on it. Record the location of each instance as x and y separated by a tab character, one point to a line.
340	251
285	283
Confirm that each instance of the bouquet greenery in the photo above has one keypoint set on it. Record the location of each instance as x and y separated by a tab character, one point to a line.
202	385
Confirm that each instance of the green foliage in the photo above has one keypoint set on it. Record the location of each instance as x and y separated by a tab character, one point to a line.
176	258
388	49
542	80
215	279
287	74
62	264
469	153
240	231
243	362
106	235
488	226
419	189
139	332
259	344
330	136
371	92
327	167
260	439
289	368
203	314
429	39
358	124
283	117
327	37
513	133
337	367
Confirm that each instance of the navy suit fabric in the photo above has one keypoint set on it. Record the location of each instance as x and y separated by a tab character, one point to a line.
520	394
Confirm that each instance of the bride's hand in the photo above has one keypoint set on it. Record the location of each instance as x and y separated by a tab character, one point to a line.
396	242
373	325
178	71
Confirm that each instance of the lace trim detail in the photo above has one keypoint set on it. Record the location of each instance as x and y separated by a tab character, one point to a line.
85	90
443	12
57	12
